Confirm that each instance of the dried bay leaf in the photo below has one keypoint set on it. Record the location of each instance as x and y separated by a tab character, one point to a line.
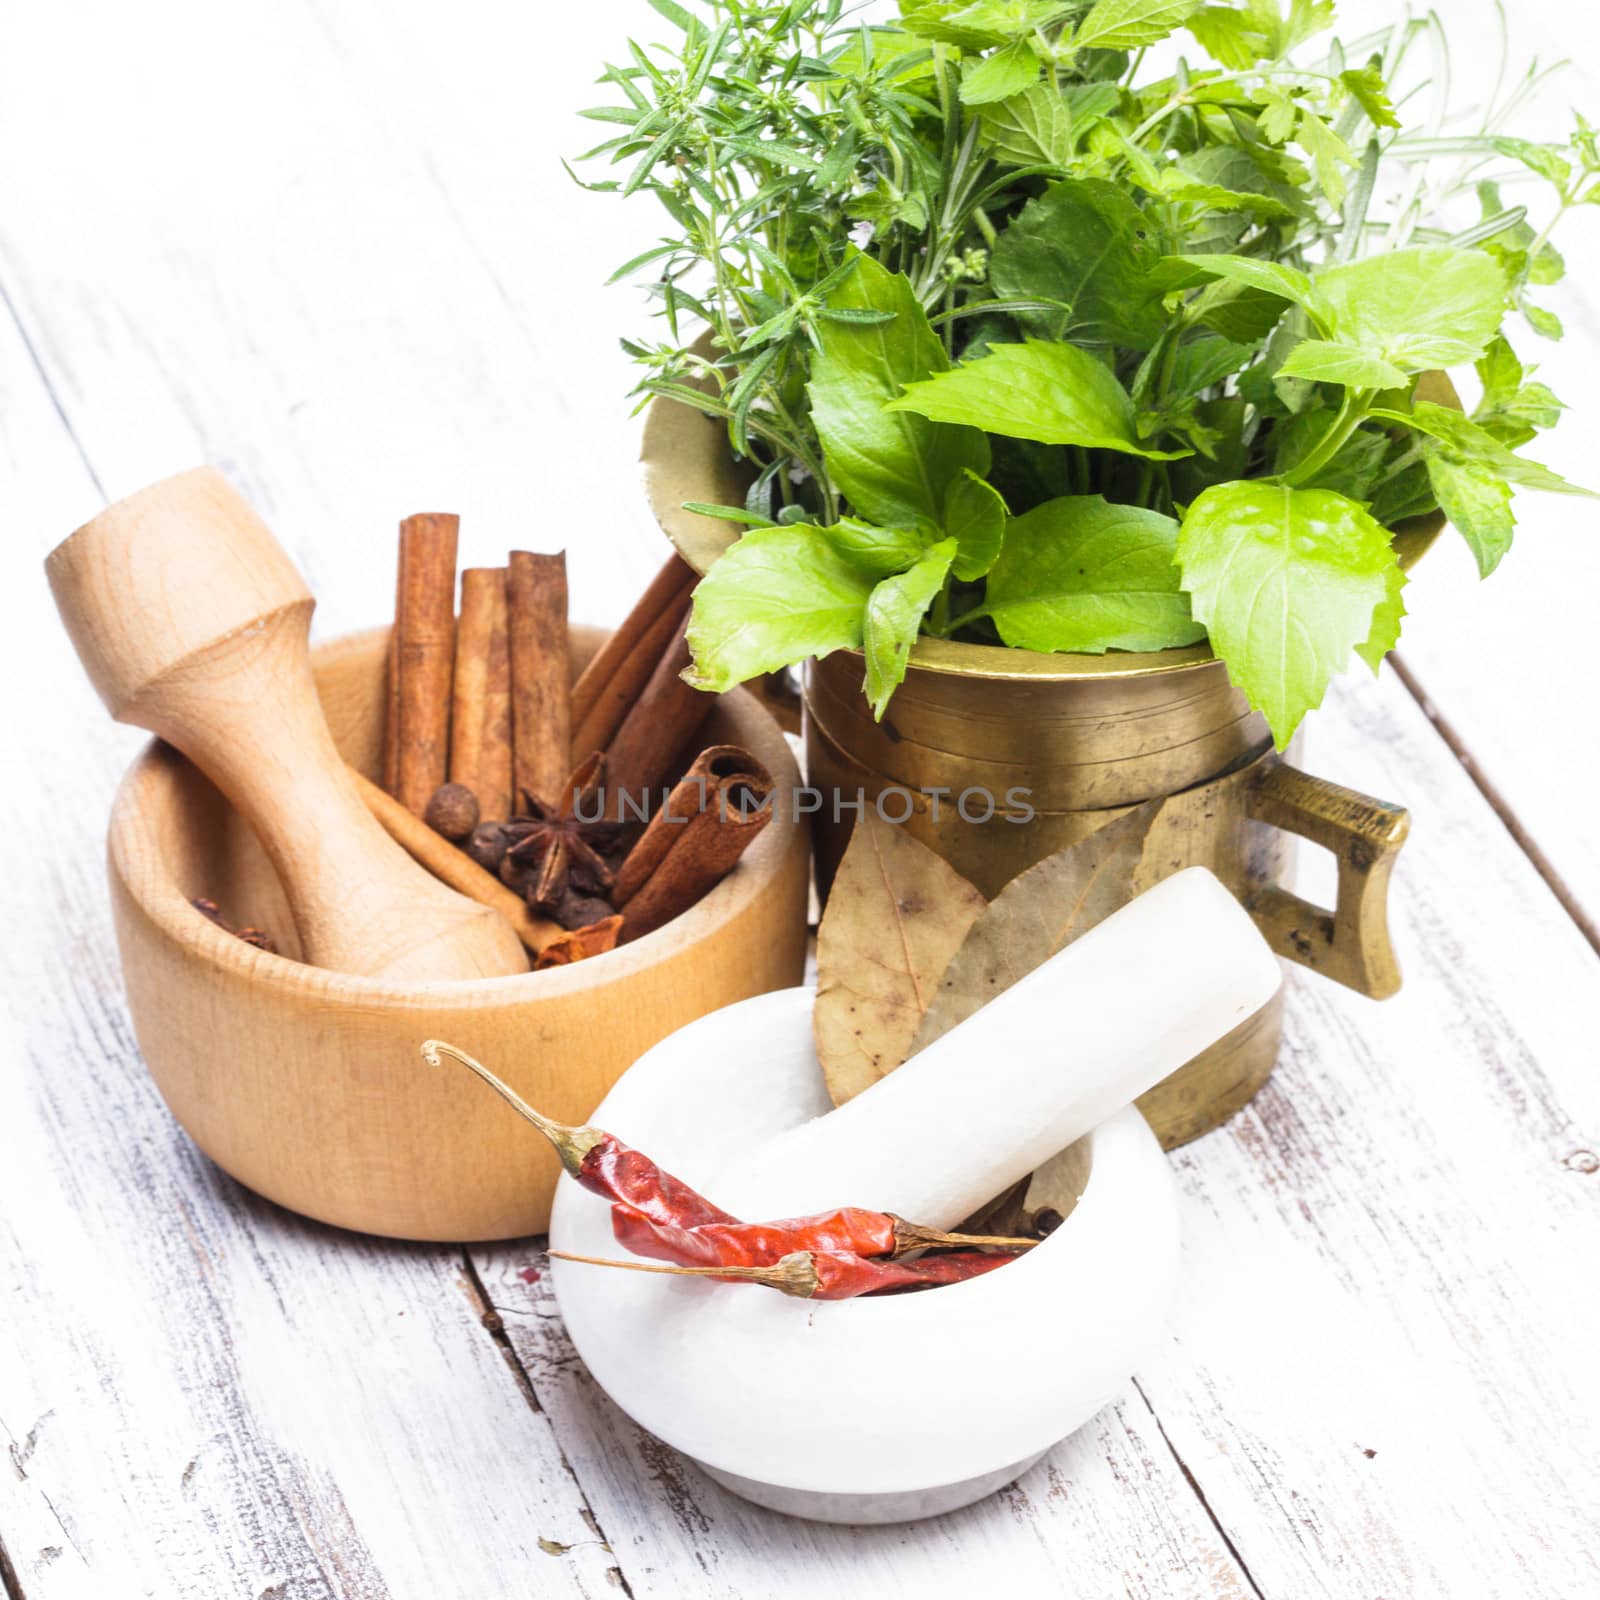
896	915
1038	913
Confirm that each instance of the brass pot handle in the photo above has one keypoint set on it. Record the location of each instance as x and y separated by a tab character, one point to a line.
1351	944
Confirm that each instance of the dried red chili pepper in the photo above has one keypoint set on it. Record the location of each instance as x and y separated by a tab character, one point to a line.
599	1161
847	1231
825	1275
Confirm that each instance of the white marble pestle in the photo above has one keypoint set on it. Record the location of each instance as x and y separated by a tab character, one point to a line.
1036	1068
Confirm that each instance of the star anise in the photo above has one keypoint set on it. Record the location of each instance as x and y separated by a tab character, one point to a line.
555	855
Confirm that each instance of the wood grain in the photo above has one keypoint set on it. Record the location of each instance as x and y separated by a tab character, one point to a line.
1392	1252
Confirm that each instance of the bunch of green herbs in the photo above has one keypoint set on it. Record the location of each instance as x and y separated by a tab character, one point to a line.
1026	344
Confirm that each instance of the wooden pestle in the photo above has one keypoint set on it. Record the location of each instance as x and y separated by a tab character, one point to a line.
191	621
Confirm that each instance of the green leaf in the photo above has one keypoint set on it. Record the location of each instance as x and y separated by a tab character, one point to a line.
894	467
1131	24
878	552
1371	93
1544	323
1279	113
1288	583
1085	242
934	19
1006	72
1259	31
1051	393
1476	502
777	596
1178	185
1513	409
893	619
1427	306
1033	128
1386	621
1205	361
1544	159
1325	362
1329	153
975	517
1465	438
1081	574
1270	277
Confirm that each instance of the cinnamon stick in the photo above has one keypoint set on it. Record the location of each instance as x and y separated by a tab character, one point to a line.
391	710
541	677
453	867
480	707
710	819
581	943
608	687
663	720
425	636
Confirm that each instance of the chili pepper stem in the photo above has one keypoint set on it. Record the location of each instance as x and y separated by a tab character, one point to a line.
912	1236
571	1144
794	1274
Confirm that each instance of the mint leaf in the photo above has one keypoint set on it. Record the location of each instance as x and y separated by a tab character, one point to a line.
1030	129
1079	573
1288	582
1131	24
1544	159
1325	362
975	517
1084	242
893	618
1006	72
1476	502
1467	439
893	467
1051	393
777	596
1512	408
1427	306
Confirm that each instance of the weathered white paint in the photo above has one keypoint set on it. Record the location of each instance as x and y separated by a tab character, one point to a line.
323	246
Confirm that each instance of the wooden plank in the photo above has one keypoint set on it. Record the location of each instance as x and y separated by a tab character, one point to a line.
199	1394
1382	1374
1108	1512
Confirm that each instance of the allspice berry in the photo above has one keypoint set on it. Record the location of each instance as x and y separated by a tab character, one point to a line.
453	811
487	846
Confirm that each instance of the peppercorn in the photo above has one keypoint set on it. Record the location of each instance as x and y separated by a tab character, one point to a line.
453	811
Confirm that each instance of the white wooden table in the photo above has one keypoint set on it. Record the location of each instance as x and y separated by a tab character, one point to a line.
326	245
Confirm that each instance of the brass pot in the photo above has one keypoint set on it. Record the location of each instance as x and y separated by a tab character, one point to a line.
1079	740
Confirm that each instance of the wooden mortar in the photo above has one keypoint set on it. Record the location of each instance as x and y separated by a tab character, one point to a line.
307	1086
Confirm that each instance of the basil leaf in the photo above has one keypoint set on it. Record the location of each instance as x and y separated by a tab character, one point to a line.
1131	24
975	517
878	552
1270	277
1205	361
1326	362
894	468
893	619
1476	502
1083	241
1051	393
1427	306
1288	583
1006	72
777	596
1079	573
